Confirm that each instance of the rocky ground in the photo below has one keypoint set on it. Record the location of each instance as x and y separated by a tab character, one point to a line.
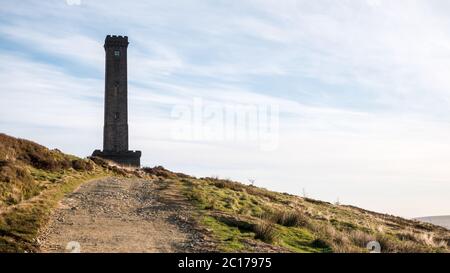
124	215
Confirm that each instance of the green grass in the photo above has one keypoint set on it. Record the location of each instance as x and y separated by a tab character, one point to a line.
242	207
230	238
296	224
300	240
20	224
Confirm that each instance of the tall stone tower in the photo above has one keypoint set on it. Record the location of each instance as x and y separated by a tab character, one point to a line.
115	131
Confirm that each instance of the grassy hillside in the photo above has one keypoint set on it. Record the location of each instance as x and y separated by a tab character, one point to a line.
239	218
245	218
32	181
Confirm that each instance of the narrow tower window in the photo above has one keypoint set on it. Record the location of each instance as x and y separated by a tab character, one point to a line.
117	53
116	88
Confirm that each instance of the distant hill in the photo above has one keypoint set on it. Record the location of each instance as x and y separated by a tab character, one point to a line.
238	217
443	221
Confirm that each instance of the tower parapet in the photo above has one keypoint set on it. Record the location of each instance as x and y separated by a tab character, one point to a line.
116	41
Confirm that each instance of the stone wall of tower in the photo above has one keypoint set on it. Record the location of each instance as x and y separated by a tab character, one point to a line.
115	130
115	135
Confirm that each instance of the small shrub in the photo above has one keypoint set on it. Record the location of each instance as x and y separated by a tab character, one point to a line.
160	171
265	231
336	241
316	202
319	243
287	218
118	170
391	244
82	165
78	164
407	236
224	183
360	238
99	161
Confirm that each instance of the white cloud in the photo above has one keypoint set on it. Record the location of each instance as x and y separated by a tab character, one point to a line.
75	47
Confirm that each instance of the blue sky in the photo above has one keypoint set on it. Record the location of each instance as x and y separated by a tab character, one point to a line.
362	89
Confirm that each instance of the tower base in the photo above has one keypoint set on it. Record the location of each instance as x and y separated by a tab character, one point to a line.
126	158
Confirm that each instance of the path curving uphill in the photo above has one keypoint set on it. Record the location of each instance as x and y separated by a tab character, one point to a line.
123	215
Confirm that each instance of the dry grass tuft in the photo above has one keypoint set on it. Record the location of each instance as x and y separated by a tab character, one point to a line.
265	231
159	171
291	218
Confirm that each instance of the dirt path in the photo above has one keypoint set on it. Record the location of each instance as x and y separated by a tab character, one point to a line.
124	215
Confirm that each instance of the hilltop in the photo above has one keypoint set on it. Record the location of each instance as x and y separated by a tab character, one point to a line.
443	221
224	215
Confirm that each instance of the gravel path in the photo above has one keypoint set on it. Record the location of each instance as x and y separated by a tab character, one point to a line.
124	215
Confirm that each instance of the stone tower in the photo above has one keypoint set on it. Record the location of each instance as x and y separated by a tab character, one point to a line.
115	130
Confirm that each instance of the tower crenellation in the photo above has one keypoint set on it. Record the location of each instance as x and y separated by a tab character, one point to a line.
116	41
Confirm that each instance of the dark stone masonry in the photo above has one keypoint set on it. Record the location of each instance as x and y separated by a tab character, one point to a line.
115	131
